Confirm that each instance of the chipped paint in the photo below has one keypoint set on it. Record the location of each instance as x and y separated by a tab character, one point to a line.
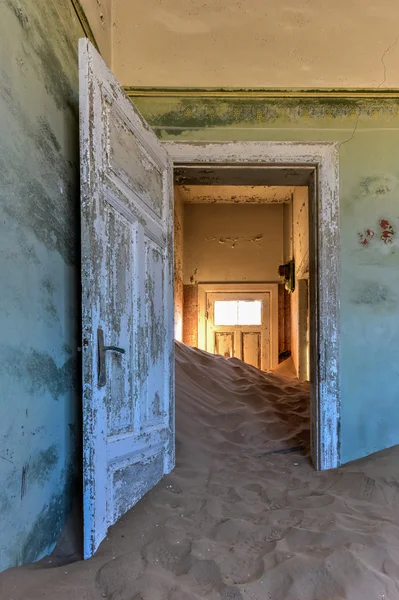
387	231
366	236
386	234
127	279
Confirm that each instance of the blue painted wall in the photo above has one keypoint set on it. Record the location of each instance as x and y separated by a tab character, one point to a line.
39	258
368	131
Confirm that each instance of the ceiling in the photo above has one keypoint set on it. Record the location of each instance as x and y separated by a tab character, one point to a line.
256	43
249	44
235	194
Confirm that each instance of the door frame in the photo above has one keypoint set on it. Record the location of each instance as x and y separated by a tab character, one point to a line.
321	161
262	288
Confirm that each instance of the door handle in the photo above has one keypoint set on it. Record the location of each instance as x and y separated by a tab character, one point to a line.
102	374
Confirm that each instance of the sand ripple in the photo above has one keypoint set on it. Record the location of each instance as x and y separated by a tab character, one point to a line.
244	516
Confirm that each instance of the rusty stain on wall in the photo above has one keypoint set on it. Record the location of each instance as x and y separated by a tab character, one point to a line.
386	234
387	231
366	236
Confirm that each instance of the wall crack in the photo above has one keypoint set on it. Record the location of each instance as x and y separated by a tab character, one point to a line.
391	47
353	132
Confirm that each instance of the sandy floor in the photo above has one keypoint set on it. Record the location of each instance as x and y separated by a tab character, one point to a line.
244	515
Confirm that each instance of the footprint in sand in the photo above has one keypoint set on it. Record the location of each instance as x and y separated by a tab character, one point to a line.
231	593
206	575
175	558
118	576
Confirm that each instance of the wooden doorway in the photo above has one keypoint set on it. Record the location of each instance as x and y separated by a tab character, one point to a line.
314	165
253	339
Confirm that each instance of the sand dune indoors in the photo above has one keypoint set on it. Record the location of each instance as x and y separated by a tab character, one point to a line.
244	516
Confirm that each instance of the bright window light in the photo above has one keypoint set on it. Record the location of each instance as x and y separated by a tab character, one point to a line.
238	312
250	313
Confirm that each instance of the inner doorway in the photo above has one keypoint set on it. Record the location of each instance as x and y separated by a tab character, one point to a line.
313	169
240	320
242	265
238	326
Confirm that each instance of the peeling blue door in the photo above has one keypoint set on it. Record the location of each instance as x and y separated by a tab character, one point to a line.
127	301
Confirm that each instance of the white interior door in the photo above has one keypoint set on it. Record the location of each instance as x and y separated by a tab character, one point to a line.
127	301
238	324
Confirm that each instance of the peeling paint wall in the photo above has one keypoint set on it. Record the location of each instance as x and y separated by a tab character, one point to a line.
99	16
178	258
299	303
190	315
239	243
300	231
368	133
39	265
259	43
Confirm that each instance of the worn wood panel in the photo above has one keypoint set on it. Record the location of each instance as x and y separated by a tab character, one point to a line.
251	348
130	161
127	291
268	328
117	308
224	343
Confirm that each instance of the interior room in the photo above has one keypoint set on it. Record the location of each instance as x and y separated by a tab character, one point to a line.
238	441
242	268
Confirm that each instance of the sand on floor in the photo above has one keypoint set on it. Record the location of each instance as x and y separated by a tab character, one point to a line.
244	516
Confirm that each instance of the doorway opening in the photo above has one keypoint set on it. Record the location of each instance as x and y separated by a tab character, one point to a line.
127	301
239	320
237	324
288	278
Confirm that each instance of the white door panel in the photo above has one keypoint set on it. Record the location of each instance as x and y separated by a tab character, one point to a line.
250	342
127	301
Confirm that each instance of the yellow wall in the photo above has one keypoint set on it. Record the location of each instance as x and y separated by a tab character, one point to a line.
299	301
256	43
232	243
99	16
178	263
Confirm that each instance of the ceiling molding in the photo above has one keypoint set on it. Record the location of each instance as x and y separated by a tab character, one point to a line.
80	13
147	92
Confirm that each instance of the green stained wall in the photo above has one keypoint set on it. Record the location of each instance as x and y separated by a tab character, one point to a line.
39	266
368	131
